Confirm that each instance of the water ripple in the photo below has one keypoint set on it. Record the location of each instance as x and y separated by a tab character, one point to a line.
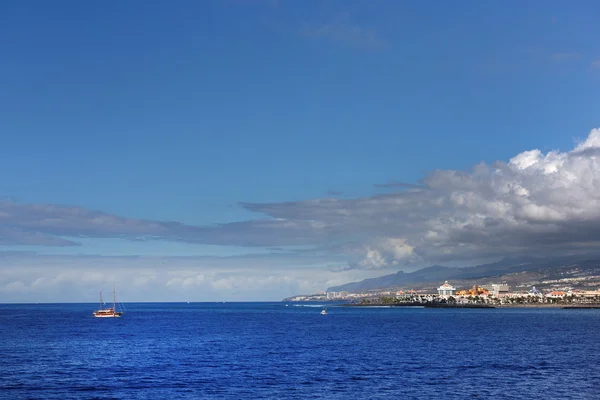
268	351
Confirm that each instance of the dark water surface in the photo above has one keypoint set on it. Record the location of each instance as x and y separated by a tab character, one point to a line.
270	350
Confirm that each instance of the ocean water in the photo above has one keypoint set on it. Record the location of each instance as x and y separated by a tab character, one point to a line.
274	351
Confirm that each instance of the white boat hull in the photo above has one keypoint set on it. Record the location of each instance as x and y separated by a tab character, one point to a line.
108	312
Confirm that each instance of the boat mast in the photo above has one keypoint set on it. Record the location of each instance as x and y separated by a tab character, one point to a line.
114	300
101	299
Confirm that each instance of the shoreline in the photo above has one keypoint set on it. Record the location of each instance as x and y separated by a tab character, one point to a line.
425	305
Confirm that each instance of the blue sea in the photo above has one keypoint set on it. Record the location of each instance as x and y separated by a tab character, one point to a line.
285	351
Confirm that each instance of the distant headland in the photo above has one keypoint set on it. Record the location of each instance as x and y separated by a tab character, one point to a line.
569	281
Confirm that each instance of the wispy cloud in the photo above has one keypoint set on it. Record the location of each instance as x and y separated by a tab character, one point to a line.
534	203
341	30
398	185
595	64
34	223
567	56
27	277
10	236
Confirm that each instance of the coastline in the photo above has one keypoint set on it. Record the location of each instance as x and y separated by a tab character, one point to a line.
425	305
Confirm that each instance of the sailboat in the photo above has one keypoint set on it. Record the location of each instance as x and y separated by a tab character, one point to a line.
324	311
108	312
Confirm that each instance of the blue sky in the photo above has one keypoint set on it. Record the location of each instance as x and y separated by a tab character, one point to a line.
213	114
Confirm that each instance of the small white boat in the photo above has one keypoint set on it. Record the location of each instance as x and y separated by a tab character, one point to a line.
324	311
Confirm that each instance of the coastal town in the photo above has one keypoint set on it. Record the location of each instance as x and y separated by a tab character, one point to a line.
495	294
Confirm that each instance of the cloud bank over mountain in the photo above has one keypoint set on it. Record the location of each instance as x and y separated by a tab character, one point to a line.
534	203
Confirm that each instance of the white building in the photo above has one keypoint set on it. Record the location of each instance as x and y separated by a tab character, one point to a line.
446	289
497	289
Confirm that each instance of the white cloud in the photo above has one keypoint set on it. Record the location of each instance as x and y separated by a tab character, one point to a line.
592	141
383	252
536	203
81	280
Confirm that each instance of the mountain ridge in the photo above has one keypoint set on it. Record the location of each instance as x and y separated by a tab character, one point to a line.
439	273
